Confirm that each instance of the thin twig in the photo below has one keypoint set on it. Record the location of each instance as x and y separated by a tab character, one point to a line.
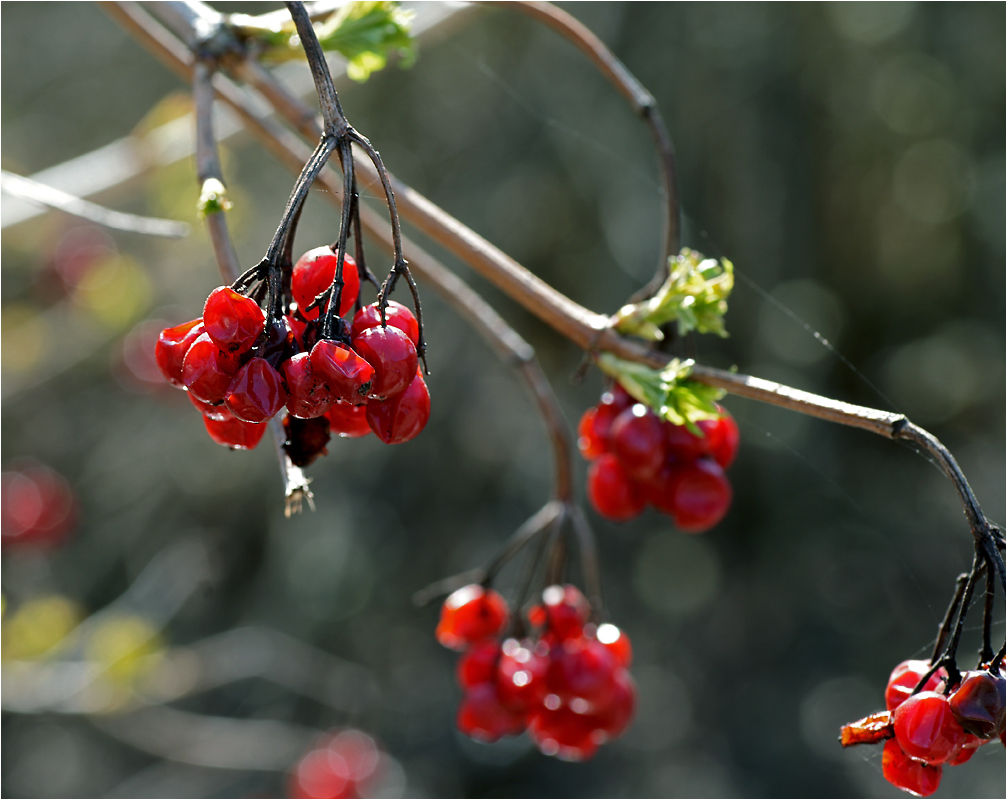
36	192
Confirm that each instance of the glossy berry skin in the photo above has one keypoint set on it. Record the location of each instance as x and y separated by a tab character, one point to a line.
396	315
904	773
393	357
257	392
926	729
207	371
348	421
231	320
617	643
566	611
967	750
218	412
171	347
471	614
482	717
234	433
401	417
637	440
699	495
347	375
611	492
307	395
904	678
314	273
978	704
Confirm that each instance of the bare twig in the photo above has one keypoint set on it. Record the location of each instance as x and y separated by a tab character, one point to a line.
36	192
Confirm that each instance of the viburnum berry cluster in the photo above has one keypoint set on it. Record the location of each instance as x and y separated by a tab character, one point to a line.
566	682
931	722
640	459
239	373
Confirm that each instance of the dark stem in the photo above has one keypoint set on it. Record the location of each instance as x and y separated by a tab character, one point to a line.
589	562
986	653
949	616
335	123
537	523
335	292
557	551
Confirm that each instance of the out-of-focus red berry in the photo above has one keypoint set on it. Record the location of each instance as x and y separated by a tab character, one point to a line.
590	445
617	643
724	443
521	676
37	507
700	495
637	440
471	614
483	718
479	664
566	611
611	491
683	444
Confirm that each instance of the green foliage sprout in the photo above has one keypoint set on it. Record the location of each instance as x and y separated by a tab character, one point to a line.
694	295
366	32
668	392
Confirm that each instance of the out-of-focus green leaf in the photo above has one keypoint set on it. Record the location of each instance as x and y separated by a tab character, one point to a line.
695	295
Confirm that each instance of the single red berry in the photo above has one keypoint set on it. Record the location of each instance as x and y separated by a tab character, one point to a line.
904	773
315	272
637	440
683	445
347	375
582	669
207	370
700	495
479	664
608	408
926	728
232	320
521	676
904	678
617	643
589	444
724	438
402	416
483	718
564	733
396	315
616	716
566	611
307	394
393	357
214	412
978	704
347	420
171	347
611	491
257	392
470	615
306	439
234	433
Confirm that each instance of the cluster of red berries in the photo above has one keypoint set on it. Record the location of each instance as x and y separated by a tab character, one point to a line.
936	727
346	764
640	459
37	507
568	686
239	375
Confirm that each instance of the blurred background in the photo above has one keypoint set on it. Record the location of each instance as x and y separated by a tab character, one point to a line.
167	632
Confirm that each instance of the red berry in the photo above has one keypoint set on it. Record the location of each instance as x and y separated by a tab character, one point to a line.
37	507
582	669
393	357
618	397
232	320
978	704
479	665
617	643
683	444
968	749
347	374
637	440
904	773
207	370
314	273
591	446
562	732
234	433
470	615
308	395
566	611
298	327
926	728
616	716
724	442
257	392
306	439
215	412
521	676
483	718
348	421
611	491
171	347
396	315
401	417
699	495
904	678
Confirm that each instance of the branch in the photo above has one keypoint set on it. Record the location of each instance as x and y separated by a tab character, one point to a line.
36	192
